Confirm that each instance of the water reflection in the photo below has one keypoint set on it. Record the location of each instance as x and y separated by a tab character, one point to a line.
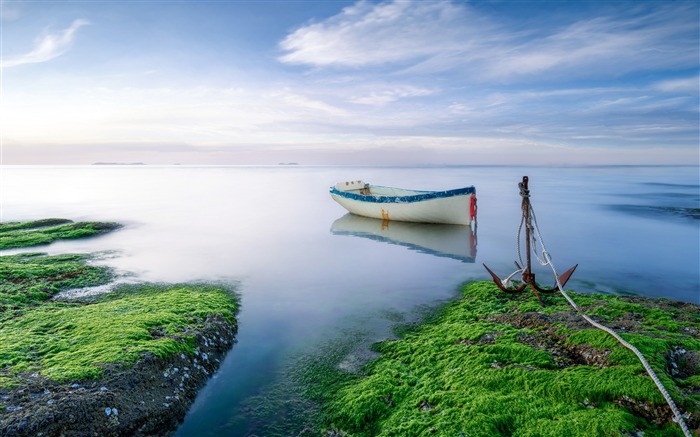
451	241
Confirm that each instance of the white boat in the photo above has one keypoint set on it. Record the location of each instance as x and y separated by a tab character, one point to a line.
455	207
449	241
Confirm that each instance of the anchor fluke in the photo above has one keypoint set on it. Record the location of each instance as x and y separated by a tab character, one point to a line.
500	285
564	277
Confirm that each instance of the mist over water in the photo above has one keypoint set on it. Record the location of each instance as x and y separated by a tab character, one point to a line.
305	271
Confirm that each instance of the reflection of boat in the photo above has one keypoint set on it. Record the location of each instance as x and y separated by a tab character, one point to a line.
457	207
456	242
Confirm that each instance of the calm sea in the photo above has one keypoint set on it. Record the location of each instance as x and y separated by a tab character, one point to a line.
307	272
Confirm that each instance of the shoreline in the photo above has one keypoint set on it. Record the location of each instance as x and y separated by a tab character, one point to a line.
510	363
493	363
127	362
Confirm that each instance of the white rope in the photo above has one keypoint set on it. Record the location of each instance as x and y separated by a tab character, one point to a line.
506	282
545	254
520	228
548	261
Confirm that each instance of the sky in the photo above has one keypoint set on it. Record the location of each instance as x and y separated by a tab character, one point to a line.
350	82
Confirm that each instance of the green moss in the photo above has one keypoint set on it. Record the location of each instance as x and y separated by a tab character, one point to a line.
475	370
694	381
72	341
27	234
29	279
68	341
13	226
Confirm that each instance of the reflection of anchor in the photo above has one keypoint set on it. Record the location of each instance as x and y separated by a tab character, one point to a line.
528	218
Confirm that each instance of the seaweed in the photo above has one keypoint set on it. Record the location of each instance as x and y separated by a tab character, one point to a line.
74	340
39	232
496	364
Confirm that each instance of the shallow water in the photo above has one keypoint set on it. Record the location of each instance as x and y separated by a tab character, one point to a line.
305	271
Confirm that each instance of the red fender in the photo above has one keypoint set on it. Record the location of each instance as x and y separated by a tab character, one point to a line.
472	207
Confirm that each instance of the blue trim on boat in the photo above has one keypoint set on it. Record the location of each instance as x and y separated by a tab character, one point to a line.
427	195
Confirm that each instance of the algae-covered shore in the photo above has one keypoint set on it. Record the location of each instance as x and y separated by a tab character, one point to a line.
496	364
128	362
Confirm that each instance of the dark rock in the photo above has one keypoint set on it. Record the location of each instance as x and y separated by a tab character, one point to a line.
134	396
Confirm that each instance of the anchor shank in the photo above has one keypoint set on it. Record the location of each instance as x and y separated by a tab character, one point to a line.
525	192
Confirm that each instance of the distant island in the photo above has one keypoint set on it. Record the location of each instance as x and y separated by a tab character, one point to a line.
288	163
118	163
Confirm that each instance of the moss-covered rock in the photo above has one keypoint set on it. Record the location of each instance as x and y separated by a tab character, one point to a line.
498	364
126	362
27	280
34	233
65	342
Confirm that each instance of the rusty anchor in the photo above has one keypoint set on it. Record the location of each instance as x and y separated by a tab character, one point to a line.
528	278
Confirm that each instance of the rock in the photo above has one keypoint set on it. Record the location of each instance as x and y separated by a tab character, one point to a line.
131	406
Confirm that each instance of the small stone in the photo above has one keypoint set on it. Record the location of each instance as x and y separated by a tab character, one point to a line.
103	388
108	411
182	356
166	405
50	401
76	385
115	411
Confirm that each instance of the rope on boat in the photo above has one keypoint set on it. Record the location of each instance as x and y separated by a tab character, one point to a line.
548	261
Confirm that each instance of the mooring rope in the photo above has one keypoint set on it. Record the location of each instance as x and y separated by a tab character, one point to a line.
548	261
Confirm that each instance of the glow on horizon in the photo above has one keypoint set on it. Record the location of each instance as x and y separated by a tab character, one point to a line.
350	82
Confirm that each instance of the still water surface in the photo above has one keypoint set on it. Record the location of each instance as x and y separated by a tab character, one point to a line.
307	272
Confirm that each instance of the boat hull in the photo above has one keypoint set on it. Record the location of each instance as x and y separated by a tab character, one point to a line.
456	207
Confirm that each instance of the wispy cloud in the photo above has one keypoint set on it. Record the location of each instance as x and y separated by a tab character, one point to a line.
429	37
690	85
602	46
370	34
47	47
379	96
